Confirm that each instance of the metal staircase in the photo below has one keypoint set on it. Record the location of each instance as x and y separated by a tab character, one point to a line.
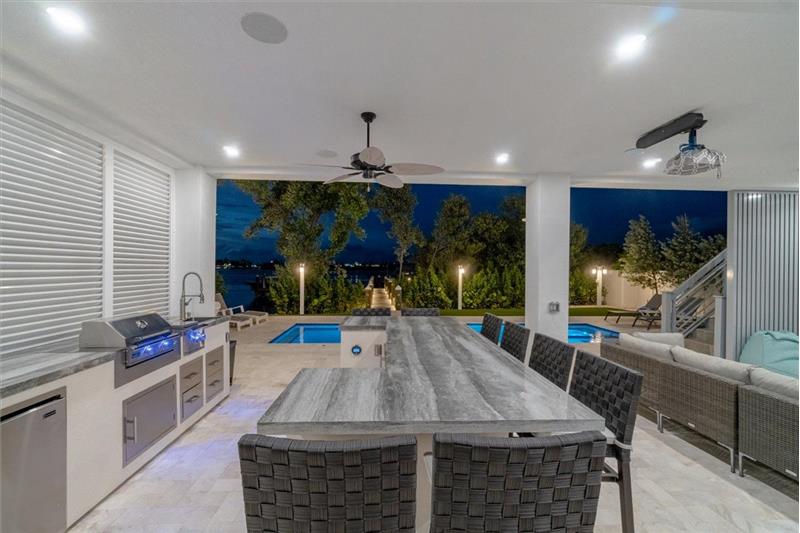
698	302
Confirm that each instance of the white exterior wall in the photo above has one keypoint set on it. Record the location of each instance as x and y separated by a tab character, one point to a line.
547	255
195	238
621	293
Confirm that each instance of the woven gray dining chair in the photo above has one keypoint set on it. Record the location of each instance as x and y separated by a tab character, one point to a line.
515	340
531	484
372	311
612	391
420	311
491	327
355	486
552	358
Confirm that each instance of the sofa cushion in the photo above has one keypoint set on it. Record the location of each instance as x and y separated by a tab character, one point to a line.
773	350
672	339
709	363
653	349
774	382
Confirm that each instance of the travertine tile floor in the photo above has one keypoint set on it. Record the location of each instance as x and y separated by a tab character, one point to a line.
194	484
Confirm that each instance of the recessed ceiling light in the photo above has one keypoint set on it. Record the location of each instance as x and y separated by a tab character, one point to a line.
66	20
630	46
502	158
231	150
264	28
651	163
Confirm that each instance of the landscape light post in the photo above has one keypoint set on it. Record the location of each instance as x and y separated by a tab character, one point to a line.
302	288
460	284
599	271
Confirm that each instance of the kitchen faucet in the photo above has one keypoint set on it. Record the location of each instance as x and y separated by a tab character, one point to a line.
186	297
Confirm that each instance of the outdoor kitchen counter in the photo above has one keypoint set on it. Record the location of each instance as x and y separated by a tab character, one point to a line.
360	323
438	376
25	370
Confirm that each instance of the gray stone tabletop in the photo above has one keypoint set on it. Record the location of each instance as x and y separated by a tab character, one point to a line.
364	323
438	375
36	367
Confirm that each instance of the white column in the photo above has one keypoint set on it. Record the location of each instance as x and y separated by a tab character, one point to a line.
302	289
547	255
194	237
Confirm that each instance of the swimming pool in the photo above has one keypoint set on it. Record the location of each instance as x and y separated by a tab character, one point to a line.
302	333
577	333
310	334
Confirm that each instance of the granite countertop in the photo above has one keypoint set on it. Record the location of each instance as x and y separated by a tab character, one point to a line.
364	322
438	375
28	369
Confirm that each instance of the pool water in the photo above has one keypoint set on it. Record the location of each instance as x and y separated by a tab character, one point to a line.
330	334
578	333
310	334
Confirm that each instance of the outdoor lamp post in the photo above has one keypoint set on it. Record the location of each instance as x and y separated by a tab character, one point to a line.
460	283
599	271
302	270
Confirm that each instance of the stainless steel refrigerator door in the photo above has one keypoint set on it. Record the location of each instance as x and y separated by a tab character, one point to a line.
33	479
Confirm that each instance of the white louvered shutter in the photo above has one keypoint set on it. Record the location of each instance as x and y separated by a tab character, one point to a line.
51	230
142	196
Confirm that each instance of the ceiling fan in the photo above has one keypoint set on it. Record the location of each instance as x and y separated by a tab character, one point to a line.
371	164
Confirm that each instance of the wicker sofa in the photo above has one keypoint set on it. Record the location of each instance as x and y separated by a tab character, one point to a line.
716	400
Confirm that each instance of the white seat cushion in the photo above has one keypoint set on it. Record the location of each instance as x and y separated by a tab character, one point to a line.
672	339
709	363
653	349
774	382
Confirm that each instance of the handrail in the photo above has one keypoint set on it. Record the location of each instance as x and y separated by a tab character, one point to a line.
713	263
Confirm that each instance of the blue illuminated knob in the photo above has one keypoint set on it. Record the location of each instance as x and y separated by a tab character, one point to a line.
356	350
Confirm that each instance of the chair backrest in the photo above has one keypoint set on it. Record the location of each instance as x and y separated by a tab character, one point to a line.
653	304
610	390
372	311
359	485
516	484
552	358
515	340
420	311
491	327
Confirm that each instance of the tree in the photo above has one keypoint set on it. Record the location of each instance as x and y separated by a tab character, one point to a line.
450	237
487	234
578	237
683	252
396	206
512	247
298	211
642	262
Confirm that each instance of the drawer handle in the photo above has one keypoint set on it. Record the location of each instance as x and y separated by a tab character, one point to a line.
135	437
193	399
215	362
190	375
214	383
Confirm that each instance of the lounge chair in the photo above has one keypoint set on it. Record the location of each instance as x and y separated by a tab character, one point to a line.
256	317
684	315
652	306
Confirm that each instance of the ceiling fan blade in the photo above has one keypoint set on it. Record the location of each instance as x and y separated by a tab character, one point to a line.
326	166
389	180
372	155
341	178
414	169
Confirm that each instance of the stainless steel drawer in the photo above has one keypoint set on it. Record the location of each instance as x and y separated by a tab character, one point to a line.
147	417
214	360
191	374
214	384
191	401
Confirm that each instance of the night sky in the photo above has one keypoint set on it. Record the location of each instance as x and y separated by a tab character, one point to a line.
605	212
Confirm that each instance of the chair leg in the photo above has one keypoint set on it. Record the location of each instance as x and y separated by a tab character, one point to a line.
741	464
625	495
660	422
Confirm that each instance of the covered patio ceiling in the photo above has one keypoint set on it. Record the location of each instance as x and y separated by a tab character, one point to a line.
452	84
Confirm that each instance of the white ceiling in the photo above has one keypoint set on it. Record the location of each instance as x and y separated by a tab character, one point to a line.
452	84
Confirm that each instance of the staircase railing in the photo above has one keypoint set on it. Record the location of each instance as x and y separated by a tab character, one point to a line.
694	302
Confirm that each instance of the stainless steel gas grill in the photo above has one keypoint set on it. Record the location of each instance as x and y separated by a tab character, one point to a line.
142	337
146	343
194	338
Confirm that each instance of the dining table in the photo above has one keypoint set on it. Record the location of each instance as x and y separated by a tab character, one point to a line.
437	375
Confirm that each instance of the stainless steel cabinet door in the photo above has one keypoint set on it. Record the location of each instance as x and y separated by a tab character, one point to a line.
147	417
